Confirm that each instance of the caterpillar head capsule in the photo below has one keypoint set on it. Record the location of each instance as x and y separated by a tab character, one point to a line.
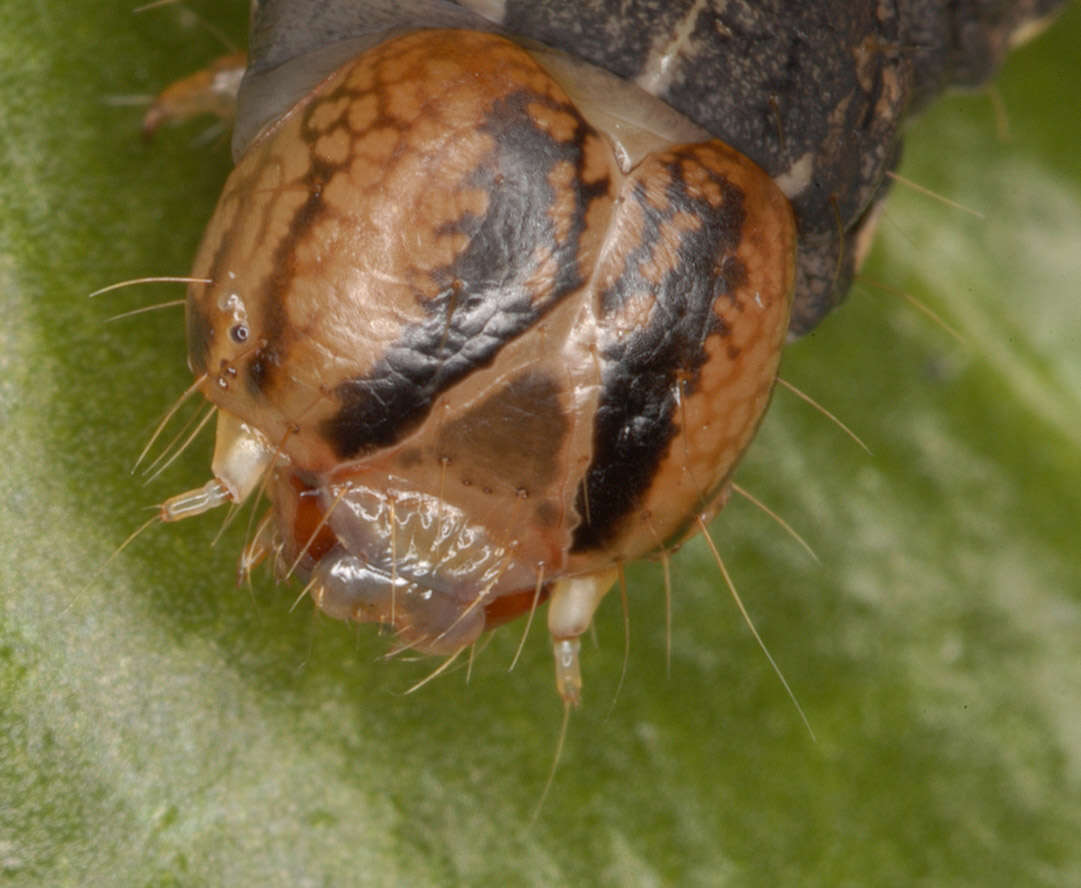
484	323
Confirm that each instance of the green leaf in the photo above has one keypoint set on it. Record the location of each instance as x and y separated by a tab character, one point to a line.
159	726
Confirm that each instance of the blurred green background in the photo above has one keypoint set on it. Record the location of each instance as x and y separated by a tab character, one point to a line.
159	726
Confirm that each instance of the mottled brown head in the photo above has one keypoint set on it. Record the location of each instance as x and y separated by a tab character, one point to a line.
427	205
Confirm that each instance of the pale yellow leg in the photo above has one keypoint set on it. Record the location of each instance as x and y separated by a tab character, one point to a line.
574	601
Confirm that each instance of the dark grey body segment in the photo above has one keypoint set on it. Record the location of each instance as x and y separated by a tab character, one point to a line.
788	80
814	91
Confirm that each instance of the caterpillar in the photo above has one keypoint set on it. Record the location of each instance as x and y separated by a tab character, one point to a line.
174	726
488	320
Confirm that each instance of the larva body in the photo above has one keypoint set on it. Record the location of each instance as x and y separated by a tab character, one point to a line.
487	322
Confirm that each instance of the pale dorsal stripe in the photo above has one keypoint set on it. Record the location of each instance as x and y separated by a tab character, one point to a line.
668	52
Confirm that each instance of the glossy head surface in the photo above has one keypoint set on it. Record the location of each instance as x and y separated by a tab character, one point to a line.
442	289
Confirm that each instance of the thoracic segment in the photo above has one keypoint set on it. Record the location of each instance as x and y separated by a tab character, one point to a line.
482	363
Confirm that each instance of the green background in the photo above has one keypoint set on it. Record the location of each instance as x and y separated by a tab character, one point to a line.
159	726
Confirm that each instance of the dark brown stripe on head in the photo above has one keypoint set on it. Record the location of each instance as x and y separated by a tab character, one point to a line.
490	291
275	289
645	368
